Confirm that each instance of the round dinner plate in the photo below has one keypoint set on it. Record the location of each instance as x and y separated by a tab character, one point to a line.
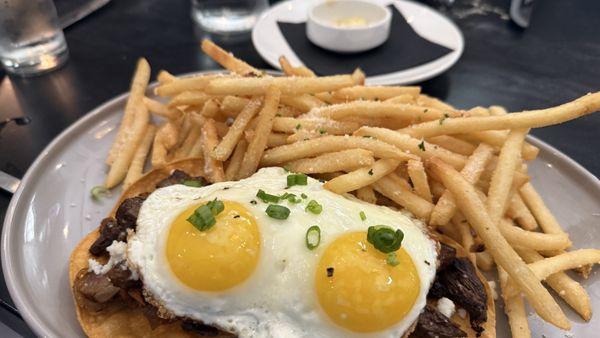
427	22
52	211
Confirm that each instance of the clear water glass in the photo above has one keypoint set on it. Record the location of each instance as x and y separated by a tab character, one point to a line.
227	16
31	41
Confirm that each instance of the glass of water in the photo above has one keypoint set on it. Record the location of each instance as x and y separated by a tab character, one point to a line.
227	16
31	41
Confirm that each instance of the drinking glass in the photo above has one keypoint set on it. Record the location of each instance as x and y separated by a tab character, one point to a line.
227	16
31	40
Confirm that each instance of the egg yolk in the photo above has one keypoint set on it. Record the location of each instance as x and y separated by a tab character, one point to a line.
218	258
359	290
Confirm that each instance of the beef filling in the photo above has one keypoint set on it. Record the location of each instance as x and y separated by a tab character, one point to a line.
432	323
199	328
458	281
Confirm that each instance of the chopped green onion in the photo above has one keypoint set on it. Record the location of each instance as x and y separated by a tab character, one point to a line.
290	198
384	238
277	211
98	192
313	237
392	259
267	198
297	179
192	183
303	195
362	215
314	207
202	218
216	206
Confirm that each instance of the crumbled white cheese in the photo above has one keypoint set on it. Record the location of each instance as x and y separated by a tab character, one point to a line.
116	251
446	307
492	285
462	313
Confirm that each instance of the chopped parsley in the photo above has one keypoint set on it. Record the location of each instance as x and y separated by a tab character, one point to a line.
298	126
330	272
192	183
322	131
303	195
253	202
443	118
422	145
370	172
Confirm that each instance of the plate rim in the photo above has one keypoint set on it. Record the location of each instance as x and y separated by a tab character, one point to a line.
381	79
7	255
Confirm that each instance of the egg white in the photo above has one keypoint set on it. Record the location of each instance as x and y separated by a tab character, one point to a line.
279	298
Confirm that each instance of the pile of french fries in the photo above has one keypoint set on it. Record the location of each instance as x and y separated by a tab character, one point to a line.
463	172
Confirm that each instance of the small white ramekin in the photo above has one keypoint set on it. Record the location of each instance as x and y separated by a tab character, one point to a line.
322	30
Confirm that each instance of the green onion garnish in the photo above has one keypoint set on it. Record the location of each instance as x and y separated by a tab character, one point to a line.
314	207
313	237
362	215
303	195
392	259
192	183
291	198
267	198
277	211
384	238
203	217
98	192
297	179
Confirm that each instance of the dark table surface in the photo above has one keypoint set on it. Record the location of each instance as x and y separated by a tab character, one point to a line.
555	60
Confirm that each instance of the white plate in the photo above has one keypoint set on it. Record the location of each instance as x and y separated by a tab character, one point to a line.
52	210
427	22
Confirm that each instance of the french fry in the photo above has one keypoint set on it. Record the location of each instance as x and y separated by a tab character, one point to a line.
366	194
327	144
345	160
466	237
361	177
303	103
374	92
189	98
405	113
518	237
235	161
527	119
165	77
287	85
497	138
257	146
502	178
484	261
453	144
540	211
418	177
568	289
192	140
133	137
475	211
162	110
398	193
359	77
412	145
210	109
292	125
276	140
179	85
232	105
518	211
139	157
428	101
136	93
231	139
286	67
514	307
402	99
159	153
208	137
497	110
227	60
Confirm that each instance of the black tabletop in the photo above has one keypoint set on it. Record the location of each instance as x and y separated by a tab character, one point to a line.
555	60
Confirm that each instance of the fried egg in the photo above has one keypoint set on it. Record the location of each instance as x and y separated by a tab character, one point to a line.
255	276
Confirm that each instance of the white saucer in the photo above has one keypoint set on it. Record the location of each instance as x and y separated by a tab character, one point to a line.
427	22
